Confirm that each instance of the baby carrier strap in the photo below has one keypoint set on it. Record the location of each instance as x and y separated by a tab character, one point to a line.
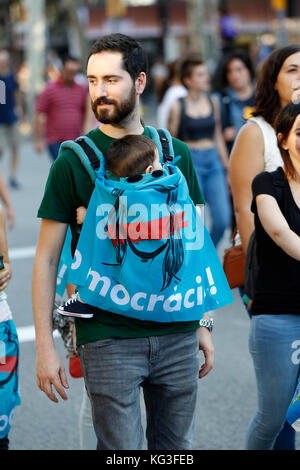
92	158
89	154
163	140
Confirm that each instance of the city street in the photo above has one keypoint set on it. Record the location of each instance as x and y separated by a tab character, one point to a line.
227	396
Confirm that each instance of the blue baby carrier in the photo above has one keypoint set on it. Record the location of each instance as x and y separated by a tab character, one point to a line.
9	375
143	251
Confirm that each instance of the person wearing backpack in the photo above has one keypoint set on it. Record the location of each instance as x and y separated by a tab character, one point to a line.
275	323
117	77
130	156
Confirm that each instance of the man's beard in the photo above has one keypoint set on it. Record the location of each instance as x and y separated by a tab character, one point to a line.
117	112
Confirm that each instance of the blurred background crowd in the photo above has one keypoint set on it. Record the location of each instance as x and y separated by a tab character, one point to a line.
38	33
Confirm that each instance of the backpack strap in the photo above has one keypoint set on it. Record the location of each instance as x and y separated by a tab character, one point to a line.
167	145
163	140
89	154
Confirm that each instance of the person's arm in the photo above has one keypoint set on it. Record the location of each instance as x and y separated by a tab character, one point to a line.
38	130
174	118
206	346
88	118
219	138
6	273
276	226
43	104
49	368
4	195
246	161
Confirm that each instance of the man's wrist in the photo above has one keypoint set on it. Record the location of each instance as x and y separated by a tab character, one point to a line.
207	322
45	342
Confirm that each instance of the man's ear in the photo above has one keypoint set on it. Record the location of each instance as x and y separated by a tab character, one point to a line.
140	83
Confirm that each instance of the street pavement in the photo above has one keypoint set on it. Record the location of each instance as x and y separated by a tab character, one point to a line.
227	396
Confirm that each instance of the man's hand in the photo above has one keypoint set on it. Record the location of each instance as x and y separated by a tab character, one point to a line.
50	371
206	345
5	276
38	146
11	218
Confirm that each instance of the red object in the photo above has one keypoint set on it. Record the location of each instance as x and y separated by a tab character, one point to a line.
75	367
8	363
64	108
153	230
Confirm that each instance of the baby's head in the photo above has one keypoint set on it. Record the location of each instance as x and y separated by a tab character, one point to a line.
132	155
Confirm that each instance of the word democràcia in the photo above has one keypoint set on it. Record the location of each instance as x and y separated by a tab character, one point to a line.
144	301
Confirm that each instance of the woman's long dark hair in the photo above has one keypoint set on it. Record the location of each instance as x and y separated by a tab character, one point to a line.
284	125
220	80
267	100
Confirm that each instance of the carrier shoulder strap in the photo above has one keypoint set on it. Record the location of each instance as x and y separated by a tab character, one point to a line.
163	140
89	154
92	158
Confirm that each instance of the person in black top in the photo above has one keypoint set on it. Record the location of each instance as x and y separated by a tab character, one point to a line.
275	325
196	120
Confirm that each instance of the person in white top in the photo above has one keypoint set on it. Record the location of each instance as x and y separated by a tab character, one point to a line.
256	150
171	92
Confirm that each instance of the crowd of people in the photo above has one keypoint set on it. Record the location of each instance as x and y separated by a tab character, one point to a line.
237	134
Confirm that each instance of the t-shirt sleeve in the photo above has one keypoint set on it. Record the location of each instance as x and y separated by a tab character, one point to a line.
262	184
58	200
43	100
186	166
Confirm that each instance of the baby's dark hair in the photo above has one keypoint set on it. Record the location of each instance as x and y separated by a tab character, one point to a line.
130	156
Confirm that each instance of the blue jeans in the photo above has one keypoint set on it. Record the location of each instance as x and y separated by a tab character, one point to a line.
213	185
54	150
166	367
274	343
286	438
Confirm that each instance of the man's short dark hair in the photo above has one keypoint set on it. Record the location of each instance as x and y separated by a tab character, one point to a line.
130	155
134	57
69	58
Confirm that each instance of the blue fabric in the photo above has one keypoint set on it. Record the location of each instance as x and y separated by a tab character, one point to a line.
175	276
9	375
293	412
236	109
212	181
64	265
54	150
274	346
167	369
8	86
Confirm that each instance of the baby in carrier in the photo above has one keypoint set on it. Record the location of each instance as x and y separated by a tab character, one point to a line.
130	156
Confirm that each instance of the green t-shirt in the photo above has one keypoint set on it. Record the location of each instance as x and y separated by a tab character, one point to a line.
68	187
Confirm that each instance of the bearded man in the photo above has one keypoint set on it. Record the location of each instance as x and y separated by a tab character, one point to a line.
119	355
